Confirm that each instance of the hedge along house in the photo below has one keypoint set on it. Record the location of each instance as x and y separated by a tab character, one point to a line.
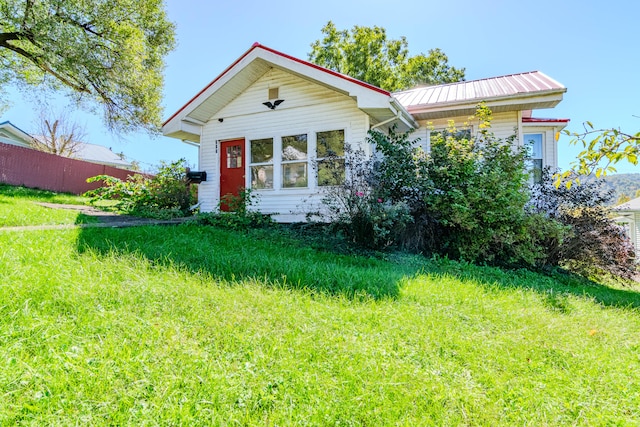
268	121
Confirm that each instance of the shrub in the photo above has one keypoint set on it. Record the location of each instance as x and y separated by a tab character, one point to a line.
240	215
365	216
165	195
592	242
480	188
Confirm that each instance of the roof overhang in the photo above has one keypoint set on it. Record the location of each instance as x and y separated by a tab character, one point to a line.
20	137
497	105
186	124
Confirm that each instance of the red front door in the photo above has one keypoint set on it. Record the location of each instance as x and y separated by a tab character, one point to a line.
231	169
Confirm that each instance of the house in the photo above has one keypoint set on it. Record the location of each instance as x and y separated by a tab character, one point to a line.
13	135
629	218
269	119
102	155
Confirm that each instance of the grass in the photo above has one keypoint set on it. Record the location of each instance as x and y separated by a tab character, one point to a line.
192	325
18	207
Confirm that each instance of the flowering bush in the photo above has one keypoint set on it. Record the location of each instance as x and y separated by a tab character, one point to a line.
356	208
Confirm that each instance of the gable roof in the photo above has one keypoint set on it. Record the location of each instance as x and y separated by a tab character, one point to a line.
513	92
186	123
100	154
12	134
631	205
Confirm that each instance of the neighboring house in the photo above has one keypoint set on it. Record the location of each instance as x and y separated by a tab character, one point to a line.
13	135
95	154
629	218
268	121
99	154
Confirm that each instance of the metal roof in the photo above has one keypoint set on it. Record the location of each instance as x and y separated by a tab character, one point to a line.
99	154
533	85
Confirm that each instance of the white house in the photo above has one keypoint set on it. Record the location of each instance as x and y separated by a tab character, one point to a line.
267	120
13	135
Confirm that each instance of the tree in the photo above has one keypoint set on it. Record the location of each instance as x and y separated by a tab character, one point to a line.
60	136
365	53
104	51
603	149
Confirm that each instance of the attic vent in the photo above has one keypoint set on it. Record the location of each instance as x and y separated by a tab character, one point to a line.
273	92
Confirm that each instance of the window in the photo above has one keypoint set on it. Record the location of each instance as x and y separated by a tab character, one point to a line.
533	144
294	161
262	163
234	157
330	151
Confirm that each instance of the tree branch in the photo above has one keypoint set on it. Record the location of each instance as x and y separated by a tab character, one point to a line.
5	38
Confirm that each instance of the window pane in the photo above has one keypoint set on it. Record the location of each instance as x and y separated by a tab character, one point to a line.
234	157
294	147
533	142
331	144
536	170
261	177
262	150
331	172
294	175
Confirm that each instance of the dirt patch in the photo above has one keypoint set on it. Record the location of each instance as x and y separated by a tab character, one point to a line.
103	219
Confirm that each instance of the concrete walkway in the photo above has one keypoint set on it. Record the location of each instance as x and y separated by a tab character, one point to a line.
104	220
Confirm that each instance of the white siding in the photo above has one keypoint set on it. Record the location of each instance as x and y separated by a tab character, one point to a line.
549	144
503	125
307	108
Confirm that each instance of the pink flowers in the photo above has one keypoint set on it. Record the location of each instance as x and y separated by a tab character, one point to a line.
380	200
359	193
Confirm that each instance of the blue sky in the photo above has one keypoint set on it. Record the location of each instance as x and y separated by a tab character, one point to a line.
592	47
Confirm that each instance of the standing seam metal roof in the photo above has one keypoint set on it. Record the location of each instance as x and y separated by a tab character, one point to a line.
529	83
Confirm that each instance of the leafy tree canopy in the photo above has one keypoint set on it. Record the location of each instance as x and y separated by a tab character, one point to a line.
602	150
105	51
365	53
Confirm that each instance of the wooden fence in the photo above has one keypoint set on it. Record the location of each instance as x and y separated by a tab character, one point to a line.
36	169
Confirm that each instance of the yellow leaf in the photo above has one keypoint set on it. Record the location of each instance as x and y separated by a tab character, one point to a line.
557	136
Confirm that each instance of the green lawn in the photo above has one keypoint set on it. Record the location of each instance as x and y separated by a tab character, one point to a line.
18	207
190	325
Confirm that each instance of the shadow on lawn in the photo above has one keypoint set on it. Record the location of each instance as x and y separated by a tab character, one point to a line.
554	288
264	256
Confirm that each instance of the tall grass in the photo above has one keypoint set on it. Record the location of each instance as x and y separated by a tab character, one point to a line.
195	326
18	207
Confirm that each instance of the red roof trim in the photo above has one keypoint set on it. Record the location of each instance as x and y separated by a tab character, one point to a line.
284	55
539	120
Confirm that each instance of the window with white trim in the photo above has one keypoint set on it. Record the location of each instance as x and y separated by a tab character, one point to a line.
533	143
261	163
294	161
330	157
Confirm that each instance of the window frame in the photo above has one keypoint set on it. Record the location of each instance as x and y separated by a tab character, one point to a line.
534	171
304	161
270	163
340	158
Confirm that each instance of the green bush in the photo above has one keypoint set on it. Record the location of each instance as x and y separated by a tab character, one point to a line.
240	215
163	196
479	191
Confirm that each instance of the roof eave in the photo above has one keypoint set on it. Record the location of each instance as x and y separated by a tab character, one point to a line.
547	99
